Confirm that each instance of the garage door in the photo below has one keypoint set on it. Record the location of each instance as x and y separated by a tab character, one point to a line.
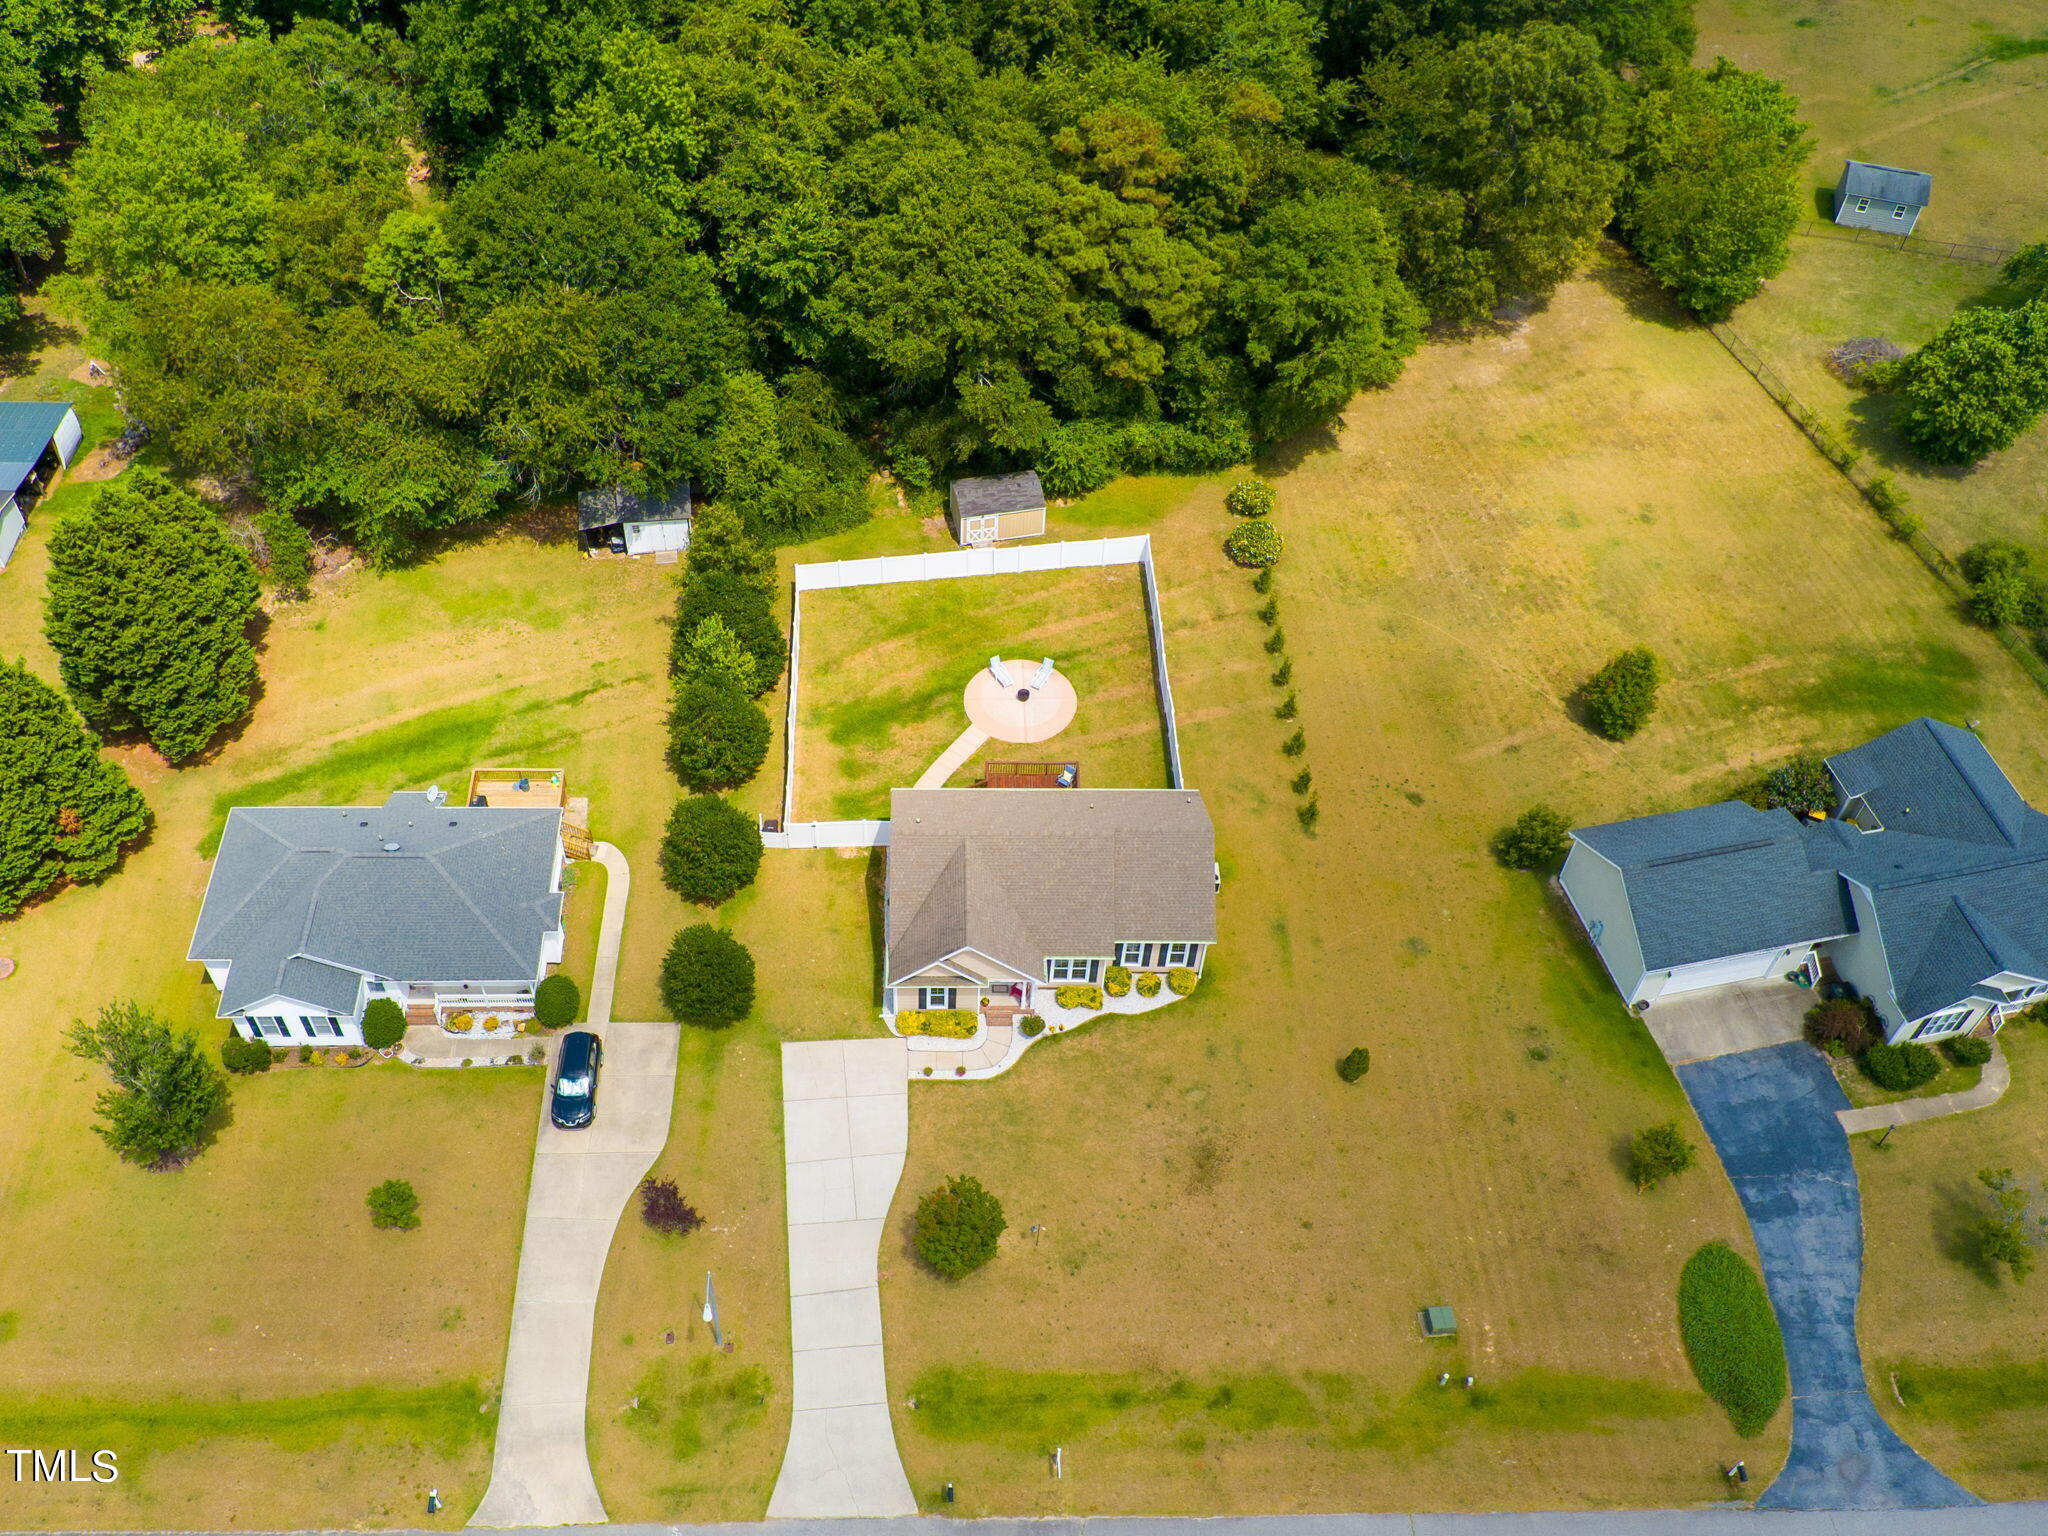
645	538
11	528
1714	973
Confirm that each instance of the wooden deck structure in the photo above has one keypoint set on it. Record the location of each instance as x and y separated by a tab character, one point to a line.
1031	775
546	788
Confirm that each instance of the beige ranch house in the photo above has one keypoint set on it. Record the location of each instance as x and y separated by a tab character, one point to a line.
1926	889
313	911
996	894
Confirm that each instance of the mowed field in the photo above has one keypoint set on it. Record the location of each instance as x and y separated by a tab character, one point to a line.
1207	1295
884	668
255	1352
1962	94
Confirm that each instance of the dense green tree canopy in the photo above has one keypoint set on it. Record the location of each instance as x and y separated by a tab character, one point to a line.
1980	383
164	1088
65	812
148	609
1713	193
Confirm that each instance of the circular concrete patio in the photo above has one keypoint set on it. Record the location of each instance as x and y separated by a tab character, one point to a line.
1020	714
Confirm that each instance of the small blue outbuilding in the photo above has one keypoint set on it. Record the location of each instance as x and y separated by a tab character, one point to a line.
33	433
1881	197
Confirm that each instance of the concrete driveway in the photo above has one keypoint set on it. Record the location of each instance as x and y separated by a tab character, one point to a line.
1771	1114
1719	1021
845	1130
540	1468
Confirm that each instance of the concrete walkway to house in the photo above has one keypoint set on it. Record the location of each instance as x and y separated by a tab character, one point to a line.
1770	1114
845	1129
1989	1090
582	1180
947	763
1719	1021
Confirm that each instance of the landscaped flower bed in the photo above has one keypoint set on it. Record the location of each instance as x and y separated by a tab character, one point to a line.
946	1023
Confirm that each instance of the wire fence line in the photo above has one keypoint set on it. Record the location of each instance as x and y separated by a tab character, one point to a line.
1879	491
1912	245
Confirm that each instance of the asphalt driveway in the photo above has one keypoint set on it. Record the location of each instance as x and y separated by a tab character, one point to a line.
1771	1114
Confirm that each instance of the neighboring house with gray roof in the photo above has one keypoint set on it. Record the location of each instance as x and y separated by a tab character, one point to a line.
635	522
992	508
313	911
1927	890
994	893
1881	197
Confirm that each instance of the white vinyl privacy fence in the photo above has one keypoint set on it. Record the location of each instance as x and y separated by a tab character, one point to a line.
951	565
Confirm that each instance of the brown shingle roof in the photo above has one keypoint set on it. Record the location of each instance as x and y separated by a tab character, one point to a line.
1023	874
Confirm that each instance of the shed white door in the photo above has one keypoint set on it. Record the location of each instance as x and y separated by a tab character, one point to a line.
645	538
11	528
1715	973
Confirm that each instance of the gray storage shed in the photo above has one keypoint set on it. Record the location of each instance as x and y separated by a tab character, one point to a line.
32	432
1881	197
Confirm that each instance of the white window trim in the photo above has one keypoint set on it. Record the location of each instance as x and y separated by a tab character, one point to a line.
1091	968
1159	951
1955	1020
945	997
1898	210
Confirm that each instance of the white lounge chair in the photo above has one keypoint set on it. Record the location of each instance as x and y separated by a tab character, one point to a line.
1000	673
1043	675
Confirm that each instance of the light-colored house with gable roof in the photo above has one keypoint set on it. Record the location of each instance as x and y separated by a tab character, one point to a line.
313	911
993	894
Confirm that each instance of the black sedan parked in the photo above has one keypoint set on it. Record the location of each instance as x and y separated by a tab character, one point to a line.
574	1101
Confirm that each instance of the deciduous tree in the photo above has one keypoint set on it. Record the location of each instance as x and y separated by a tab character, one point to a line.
164	1087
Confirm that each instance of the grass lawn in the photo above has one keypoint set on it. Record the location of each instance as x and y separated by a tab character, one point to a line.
884	669
1965	1342
1880	84
253	1349
1226	1320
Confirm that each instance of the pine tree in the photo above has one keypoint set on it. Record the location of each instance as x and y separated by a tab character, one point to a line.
148	611
65	813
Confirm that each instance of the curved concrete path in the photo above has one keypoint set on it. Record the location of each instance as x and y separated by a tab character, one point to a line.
845	1129
948	762
1771	1115
540	1466
1989	1090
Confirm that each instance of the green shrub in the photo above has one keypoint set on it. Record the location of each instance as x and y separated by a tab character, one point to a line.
941	1023
1900	1068
1284	673
1269	611
707	977
1800	786
1030	1026
717	736
1302	782
1287	708
1296	744
1116	981
1658	1153
1354	1063
1078	995
556	1001
746	612
1539	838
1968	1051
305	1053
393	1205
1308	813
383	1024
1250	498
1977	385
1147	983
287	552
958	1227
1620	697
1263	582
1182	981
710	851
1886	494
242	1056
1276	642
1256	544
1841	1026
1731	1336
2004	586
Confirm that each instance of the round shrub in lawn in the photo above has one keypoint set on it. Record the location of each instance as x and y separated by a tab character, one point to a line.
1030	1026
958	1225
556	1001
711	850
244	1056
1900	1068
1255	546
394	1205
1539	838
1969	1051
1250	498
707	977
717	736
1354	1064
1731	1336
746	611
1620	697
383	1024
1181	980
